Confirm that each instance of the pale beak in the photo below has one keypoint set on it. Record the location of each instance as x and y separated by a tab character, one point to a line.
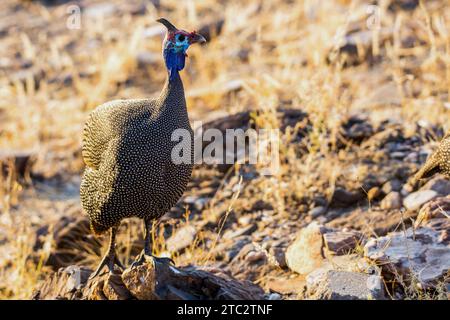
197	38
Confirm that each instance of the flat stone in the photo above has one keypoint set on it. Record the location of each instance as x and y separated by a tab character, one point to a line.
416	199
146	58
197	202
340	242
343	285
248	230
392	200
21	161
422	253
437	208
66	283
182	238
380	222
317	212
438	184
392	185
227	251
305	254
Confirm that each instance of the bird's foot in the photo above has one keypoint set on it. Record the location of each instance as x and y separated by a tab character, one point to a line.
164	260
143	257
109	262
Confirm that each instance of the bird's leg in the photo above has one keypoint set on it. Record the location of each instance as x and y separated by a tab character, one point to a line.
117	262
148	238
110	258
147	252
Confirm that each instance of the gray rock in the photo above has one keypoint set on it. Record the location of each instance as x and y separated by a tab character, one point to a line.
343	285
229	251
77	278
416	199
317	211
316	244
438	184
392	185
341	242
393	200
400	5
182	238
412	157
305	254
422	254
437	208
398	155
254	256
345	198
279	254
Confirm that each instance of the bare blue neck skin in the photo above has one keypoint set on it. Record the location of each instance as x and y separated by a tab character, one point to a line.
174	58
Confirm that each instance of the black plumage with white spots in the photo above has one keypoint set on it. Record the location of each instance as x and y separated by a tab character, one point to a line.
127	146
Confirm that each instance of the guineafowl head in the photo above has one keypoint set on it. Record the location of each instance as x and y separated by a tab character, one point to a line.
175	46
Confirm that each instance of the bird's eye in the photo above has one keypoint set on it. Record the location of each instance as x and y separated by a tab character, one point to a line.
181	37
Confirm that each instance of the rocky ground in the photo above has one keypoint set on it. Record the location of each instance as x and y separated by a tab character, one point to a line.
340	219
360	244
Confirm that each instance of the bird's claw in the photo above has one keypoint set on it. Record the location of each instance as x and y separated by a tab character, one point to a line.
143	257
107	261
96	273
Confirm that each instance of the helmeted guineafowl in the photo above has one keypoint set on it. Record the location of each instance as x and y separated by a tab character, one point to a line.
438	161
127	149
